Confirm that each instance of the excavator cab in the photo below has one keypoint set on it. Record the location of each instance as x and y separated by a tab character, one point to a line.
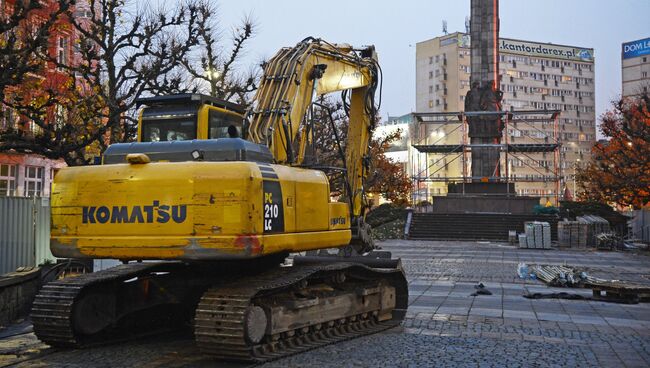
183	117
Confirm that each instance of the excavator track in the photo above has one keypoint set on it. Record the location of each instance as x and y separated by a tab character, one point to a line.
53	312
226	316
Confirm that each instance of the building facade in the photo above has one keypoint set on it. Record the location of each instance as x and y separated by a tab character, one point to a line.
30	174
635	62
400	150
533	76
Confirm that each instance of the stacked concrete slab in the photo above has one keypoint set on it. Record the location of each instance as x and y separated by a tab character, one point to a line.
572	234
537	235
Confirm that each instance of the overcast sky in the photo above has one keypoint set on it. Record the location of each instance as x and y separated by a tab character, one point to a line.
394	27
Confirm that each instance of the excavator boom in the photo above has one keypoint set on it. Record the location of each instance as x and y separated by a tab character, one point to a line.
293	78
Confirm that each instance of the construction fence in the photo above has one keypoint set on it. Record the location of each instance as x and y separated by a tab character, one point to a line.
640	225
24	232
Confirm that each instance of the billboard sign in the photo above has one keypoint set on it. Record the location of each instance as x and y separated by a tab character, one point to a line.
545	50
447	41
535	49
636	48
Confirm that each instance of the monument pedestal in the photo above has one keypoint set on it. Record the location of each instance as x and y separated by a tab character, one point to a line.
484	198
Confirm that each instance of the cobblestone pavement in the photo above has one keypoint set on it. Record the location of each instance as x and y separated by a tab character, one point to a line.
445	326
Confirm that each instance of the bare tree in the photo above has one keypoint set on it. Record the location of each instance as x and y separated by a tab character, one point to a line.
329	137
122	54
126	54
215	70
65	133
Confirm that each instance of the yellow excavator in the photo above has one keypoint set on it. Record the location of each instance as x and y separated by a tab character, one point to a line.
204	209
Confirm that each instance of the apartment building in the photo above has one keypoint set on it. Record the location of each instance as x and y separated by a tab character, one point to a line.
28	175
635	61
533	76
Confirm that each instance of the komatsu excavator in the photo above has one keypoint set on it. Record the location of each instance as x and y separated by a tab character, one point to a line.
213	199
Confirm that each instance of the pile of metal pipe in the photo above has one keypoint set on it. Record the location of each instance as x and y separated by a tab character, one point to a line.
559	275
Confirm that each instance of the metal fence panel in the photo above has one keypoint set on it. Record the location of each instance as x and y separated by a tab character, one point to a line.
641	225
24	232
42	231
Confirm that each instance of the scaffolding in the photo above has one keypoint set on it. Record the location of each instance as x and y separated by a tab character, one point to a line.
542	141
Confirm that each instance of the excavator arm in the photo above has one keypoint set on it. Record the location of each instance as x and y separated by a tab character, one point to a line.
292	79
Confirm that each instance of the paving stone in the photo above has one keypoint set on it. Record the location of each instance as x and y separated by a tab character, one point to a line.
448	328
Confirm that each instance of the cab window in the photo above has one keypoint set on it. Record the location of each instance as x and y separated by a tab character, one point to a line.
169	123
219	121
169	130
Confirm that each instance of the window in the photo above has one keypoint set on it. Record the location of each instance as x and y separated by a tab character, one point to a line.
430	89
220	122
644	74
7	180
35	128
430	59
8	118
60	115
33	181
430	75
63	51
430	103
170	123
645	59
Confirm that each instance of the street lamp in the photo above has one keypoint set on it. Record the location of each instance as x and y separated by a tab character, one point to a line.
212	74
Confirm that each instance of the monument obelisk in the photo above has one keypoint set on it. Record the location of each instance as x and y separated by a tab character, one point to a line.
484	94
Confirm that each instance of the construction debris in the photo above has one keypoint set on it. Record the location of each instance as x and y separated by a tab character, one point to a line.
565	276
595	225
480	290
561	276
561	295
609	241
